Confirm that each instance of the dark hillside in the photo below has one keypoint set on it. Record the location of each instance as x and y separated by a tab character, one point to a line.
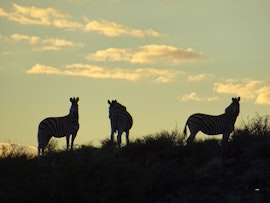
157	168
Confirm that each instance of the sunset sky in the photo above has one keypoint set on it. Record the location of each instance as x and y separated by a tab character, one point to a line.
163	59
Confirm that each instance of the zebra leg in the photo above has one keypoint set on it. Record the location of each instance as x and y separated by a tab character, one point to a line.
40	148
119	140
43	140
67	138
39	151
127	138
72	140
191	138
225	138
112	136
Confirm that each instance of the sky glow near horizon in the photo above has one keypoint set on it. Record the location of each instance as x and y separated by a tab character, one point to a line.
163	60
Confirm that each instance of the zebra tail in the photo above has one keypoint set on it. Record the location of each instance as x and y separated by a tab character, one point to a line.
185	131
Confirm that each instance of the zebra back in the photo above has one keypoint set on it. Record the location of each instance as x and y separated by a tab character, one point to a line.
59	126
119	116
213	125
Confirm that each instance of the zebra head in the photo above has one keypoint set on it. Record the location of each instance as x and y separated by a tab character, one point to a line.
74	107
234	107
115	106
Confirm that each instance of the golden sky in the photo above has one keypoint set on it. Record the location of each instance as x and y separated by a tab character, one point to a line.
163	60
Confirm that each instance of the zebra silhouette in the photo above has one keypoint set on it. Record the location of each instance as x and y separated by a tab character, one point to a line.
121	121
59	127
214	125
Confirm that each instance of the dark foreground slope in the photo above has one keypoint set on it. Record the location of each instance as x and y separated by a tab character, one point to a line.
154	169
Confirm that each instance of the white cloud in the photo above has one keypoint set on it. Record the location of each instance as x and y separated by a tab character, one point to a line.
112	29
191	96
40	16
86	70
57	18
30	39
263	96
42	69
199	77
47	44
65	23
148	54
54	44
214	98
248	89
3	13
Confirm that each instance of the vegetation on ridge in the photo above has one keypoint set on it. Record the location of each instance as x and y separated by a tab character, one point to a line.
156	168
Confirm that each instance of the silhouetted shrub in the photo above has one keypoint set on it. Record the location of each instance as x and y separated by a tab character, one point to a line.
252	138
253	127
13	150
107	143
155	168
52	146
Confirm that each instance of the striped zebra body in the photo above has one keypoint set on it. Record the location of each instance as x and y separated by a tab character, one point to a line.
121	121
214	125
59	127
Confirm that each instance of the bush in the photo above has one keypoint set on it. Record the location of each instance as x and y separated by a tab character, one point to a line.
12	150
155	168
254	127
252	138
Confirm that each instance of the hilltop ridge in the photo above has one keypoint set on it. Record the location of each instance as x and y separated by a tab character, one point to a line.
156	168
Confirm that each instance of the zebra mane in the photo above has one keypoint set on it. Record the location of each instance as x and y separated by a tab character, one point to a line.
117	106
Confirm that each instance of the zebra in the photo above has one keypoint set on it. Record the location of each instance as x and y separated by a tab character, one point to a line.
59	127
121	121
214	125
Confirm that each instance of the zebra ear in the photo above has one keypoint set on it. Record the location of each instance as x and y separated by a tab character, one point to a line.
70	99
77	99
109	102
238	99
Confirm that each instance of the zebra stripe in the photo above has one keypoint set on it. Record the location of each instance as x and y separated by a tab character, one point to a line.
214	125
59	127
121	121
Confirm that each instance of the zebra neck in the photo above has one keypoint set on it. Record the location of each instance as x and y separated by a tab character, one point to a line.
73	118
231	116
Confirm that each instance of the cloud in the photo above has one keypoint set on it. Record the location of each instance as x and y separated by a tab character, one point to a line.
191	96
54	44
39	16
148	54
29	39
65	23
57	18
194	97
199	77
42	69
248	89
47	44
3	13
112	29
263	96
214	98
91	71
